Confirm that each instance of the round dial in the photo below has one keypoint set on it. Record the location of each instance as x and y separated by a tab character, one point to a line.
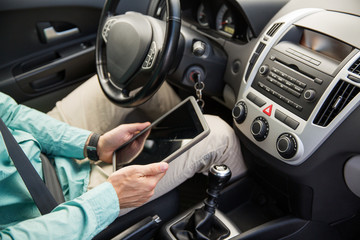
225	21
201	16
239	112
286	145
260	128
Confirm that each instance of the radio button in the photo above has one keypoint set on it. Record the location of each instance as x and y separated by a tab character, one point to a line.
318	81
301	84
299	89
270	79
298	107
275	70
293	92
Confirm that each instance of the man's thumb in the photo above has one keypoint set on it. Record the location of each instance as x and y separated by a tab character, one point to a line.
155	168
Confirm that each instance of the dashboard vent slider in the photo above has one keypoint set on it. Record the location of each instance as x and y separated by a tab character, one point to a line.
273	29
337	100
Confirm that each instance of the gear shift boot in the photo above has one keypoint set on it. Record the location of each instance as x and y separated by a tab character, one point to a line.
200	224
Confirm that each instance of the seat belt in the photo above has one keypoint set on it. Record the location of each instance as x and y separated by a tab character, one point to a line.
51	179
37	188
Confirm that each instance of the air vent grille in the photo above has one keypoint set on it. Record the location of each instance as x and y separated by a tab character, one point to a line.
273	29
355	68
340	96
254	58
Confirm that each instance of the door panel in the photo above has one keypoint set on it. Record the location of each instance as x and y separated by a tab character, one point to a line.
47	46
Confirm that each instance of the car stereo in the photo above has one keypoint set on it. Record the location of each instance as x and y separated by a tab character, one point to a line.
291	75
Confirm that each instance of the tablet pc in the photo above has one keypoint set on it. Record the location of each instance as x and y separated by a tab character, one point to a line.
170	135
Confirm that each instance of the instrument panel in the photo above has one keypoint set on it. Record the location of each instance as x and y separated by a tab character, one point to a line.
217	18
224	20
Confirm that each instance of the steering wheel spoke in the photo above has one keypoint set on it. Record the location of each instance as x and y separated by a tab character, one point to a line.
107	26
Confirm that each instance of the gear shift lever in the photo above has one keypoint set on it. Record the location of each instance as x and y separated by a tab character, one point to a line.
202	222
219	175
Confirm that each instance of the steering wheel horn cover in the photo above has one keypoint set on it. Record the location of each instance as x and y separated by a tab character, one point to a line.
129	54
128	42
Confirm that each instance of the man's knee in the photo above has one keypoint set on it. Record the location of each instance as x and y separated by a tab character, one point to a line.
219	129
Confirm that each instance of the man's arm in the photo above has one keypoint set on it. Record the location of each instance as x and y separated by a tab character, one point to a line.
87	215
81	218
55	137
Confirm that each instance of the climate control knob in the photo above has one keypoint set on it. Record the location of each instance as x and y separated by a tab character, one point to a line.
239	112
260	128
286	145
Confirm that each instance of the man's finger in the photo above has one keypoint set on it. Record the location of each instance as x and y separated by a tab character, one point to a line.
154	169
135	127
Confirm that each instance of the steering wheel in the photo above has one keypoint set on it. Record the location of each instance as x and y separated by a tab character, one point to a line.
134	52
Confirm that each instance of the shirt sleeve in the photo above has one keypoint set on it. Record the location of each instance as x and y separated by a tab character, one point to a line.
55	137
81	218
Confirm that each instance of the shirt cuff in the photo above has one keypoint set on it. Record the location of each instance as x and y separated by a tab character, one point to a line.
105	204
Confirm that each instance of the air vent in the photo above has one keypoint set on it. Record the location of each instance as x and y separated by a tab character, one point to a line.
340	96
355	68
254	58
273	29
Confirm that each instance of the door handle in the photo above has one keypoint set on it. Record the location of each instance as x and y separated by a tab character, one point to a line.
51	34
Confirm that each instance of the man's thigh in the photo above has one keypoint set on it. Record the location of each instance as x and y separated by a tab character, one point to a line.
87	107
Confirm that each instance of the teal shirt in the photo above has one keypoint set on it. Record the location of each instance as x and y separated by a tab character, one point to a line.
80	217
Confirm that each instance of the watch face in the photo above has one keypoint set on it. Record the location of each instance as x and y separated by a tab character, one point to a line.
92	153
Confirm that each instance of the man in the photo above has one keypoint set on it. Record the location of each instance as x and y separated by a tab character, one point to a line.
88	212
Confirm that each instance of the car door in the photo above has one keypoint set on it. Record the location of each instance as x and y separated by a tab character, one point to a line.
48	47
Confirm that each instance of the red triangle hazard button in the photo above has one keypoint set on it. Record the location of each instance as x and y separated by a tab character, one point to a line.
268	110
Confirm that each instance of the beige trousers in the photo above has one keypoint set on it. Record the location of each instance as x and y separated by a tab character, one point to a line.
88	108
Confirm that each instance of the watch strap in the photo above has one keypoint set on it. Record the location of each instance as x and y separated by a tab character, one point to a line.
91	148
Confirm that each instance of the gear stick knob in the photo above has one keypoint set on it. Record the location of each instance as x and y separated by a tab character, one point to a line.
219	175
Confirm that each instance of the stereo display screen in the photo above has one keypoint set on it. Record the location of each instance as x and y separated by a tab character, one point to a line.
325	45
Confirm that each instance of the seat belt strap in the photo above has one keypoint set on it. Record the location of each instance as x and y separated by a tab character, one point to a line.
37	188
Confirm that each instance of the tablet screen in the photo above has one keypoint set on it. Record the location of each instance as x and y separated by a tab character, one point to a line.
170	135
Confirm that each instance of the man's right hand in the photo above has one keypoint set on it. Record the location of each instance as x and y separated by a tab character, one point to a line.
135	184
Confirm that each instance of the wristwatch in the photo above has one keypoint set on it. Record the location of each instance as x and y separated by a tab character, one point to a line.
91	148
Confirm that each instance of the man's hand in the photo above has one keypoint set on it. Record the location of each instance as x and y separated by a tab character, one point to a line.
135	184
113	139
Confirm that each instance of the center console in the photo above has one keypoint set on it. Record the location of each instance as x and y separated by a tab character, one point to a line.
301	82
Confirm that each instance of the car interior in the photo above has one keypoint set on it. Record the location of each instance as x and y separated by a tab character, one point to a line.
285	74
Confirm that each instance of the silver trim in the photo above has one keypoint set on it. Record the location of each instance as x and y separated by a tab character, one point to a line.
51	34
